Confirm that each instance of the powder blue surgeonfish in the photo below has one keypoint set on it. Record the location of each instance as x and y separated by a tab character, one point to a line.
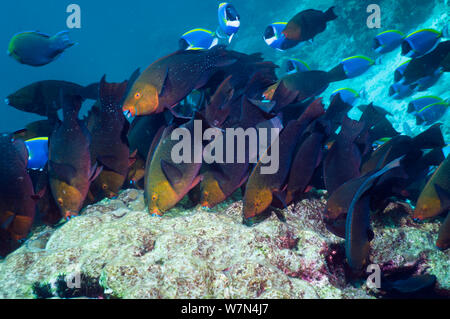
273	35
296	65
38	49
229	21
399	91
388	41
428	109
356	65
421	42
37	152
198	39
348	96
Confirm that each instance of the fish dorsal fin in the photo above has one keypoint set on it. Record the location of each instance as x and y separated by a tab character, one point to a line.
63	172
172	173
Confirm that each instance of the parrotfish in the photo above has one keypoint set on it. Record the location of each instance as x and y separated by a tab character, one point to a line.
260	189
169	80
344	158
388	41
109	144
306	25
70	168
358	233
443	241
166	182
198	39
17	197
420	42
426	65
37	152
229	21
38	49
435	197
42	98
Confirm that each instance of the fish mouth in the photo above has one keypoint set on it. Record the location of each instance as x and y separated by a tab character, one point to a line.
129	114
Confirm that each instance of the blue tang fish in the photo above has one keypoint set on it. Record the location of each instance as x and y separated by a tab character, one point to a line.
229	21
420	42
349	96
38	49
198	39
428	109
37	152
296	65
388	41
400	70
356	65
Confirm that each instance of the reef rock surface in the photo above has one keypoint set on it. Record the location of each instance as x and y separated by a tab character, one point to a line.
120	251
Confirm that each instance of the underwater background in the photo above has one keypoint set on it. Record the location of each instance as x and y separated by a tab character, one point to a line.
121	250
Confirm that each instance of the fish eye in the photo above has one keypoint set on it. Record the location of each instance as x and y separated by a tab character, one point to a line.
154	197
60	201
104	186
137	95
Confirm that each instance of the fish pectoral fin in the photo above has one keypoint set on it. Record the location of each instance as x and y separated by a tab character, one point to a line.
64	172
444	196
196	181
164	80
95	172
172	173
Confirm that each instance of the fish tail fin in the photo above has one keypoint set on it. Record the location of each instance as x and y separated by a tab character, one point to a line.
112	93
446	32
337	74
330	15
429	139
63	41
91	91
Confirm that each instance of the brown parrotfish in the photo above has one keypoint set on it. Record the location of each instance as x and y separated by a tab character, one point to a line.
260	189
170	79
109	144
42	98
70	168
17	197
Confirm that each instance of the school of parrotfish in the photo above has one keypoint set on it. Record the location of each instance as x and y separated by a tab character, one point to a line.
51	169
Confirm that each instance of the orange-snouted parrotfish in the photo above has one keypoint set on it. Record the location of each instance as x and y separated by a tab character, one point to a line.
166	182
170	79
435	197
38	49
70	168
17	197
109	145
358	233
305	25
260	189
443	241
42	98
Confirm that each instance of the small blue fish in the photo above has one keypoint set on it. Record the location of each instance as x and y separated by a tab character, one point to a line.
388	41
356	65
198	39
428	109
273	35
37	152
429	81
349	96
400	70
399	91
420	42
296	65
229	21
38	49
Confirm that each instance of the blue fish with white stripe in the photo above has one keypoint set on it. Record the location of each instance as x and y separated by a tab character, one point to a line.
428	109
198	39
356	65
229	21
388	41
349	96
273	35
296	65
421	42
